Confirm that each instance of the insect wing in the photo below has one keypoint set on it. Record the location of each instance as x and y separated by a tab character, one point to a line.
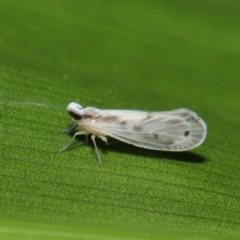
177	130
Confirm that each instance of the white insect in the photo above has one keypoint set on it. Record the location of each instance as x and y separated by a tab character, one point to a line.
177	130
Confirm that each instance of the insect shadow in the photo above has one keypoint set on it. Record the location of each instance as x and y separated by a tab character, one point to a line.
120	147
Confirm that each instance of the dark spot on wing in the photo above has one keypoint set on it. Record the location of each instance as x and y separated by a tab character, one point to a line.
148	117
186	133
97	117
87	116
75	116
189	119
137	128
185	114
175	121
155	135
124	122
110	118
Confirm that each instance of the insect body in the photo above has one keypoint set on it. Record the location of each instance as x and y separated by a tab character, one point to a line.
177	130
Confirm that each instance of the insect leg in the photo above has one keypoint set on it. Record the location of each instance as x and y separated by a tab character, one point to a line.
70	129
96	149
76	134
104	139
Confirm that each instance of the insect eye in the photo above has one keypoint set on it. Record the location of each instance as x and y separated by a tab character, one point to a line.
74	115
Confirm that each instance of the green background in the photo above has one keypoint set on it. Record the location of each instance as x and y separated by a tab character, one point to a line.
148	55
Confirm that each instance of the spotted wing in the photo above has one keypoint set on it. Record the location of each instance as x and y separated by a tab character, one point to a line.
176	130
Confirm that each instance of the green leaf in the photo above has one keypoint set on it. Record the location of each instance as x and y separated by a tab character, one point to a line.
146	55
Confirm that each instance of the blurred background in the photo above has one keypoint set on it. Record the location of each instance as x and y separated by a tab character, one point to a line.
146	55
